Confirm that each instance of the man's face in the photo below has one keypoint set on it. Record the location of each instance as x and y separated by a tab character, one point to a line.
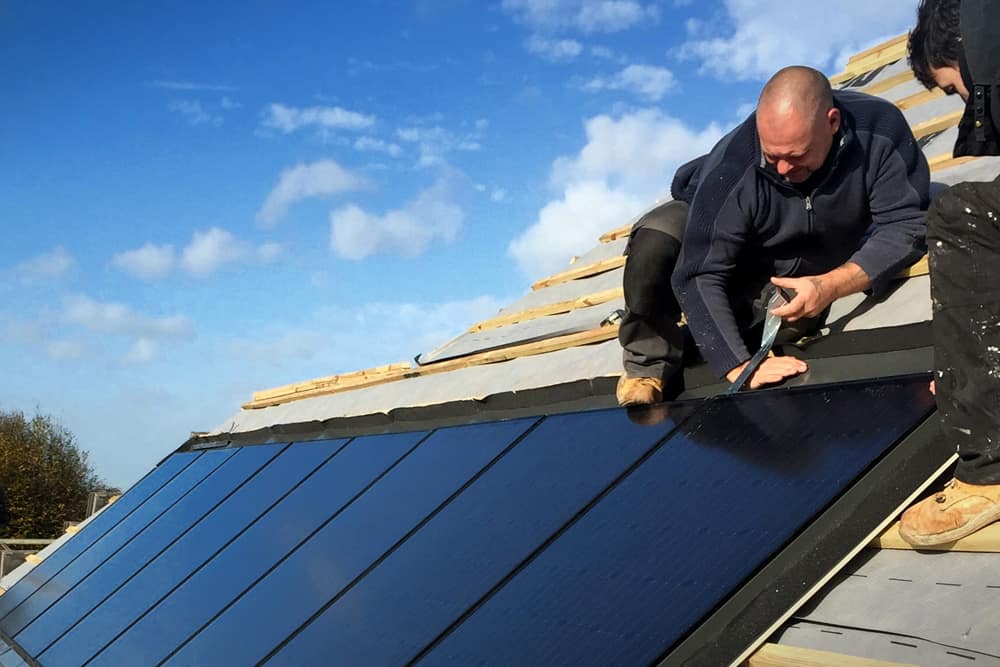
796	145
949	79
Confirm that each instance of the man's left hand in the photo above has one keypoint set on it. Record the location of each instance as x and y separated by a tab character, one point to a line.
811	297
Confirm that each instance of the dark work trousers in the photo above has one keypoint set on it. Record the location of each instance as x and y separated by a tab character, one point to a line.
652	342
963	240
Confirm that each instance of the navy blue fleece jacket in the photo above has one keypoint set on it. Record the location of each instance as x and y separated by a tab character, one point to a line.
746	223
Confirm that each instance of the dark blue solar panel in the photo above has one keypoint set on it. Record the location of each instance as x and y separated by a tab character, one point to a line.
341	551
94	530
107	575
172	567
669	543
250	556
112	541
474	542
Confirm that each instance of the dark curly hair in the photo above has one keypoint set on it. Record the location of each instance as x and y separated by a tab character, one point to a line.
936	40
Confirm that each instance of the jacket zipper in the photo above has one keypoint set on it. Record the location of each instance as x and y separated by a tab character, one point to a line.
809	210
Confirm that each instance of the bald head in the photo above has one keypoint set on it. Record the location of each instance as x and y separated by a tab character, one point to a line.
796	121
800	88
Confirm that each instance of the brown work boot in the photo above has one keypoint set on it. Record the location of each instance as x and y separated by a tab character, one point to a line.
960	509
639	391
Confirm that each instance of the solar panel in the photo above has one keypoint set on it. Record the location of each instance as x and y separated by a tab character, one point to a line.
39	599
107	574
258	549
476	540
94	530
601	537
136	596
714	502
340	553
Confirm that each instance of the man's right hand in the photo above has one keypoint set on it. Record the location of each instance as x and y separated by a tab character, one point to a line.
771	371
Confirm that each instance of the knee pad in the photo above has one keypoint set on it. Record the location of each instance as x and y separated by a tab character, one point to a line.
651	260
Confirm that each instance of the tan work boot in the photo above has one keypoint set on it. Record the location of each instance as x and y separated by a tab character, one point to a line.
960	509
639	391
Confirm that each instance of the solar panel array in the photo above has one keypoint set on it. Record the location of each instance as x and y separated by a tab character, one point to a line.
585	538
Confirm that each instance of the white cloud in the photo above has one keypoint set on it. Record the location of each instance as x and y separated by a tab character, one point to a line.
117	318
316	179
372	145
320	279
207	251
434	143
555	50
646	81
212	249
190	85
51	265
142	350
498	195
626	165
65	350
571	225
344	339
289	119
764	36
355	234
605	53
195	113
150	262
292	344
588	16
269	252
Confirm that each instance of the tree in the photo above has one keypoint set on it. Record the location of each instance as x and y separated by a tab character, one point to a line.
44	477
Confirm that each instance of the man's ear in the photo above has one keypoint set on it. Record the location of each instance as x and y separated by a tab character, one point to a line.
833	118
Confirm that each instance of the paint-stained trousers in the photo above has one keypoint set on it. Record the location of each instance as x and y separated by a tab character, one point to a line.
963	239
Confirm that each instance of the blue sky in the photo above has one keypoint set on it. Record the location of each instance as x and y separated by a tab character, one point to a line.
199	200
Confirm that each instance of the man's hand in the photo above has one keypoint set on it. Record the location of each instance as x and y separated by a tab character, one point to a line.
815	293
811	297
771	371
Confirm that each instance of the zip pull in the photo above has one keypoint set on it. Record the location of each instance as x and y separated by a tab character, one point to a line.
809	203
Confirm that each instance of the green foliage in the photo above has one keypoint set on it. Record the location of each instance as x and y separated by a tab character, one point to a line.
44	477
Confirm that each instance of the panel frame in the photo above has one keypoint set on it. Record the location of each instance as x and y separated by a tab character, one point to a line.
742	623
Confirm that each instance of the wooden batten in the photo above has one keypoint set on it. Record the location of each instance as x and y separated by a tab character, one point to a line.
779	655
345	380
986	540
598	335
618	233
946	161
884	54
921	268
581	272
873	51
916	99
548	309
937	124
888	83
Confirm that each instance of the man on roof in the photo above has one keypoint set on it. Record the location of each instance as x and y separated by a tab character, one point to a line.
954	46
820	193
